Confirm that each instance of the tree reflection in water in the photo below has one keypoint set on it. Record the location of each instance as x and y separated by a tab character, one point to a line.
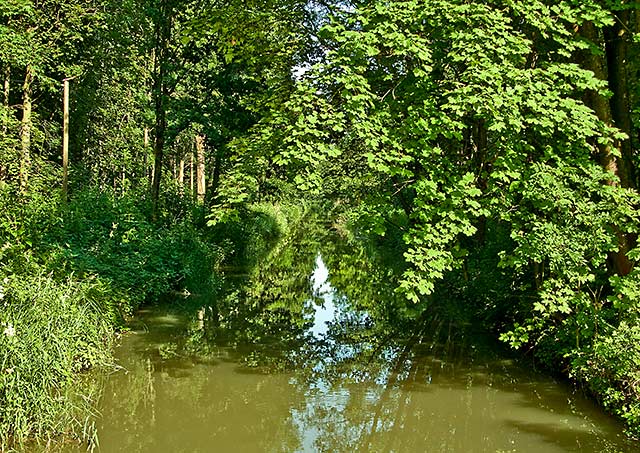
311	350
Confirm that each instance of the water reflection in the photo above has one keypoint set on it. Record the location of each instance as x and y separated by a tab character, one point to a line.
324	311
304	355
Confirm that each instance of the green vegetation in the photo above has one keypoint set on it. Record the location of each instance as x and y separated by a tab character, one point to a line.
498	139
52	330
70	276
486	152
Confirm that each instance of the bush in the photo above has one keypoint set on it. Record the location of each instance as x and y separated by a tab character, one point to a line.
610	367
246	235
110	237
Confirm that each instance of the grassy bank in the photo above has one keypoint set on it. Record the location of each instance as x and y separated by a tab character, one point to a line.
72	274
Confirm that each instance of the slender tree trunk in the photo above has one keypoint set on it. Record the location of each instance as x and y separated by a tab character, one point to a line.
5	114
191	172
200	170
5	98
25	129
163	32
158	150
597	63
65	140
147	170
617	50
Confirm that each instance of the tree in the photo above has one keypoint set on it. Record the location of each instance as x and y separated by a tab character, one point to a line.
481	134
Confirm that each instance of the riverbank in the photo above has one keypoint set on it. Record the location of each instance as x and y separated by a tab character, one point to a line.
82	269
589	339
70	277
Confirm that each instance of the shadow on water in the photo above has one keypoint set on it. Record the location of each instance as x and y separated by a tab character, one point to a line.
567	438
311	351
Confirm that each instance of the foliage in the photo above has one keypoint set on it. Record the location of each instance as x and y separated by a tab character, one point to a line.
70	275
51	331
485	131
113	238
484	151
612	376
250	233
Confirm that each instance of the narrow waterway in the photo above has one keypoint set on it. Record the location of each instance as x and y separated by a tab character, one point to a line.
304	367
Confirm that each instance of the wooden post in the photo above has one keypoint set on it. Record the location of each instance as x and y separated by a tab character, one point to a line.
65	140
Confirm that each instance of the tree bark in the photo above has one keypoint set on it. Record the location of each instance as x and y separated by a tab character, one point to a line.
163	35
617	51
181	173
200	170
5	114
597	63
65	140
191	173
25	129
147	170
5	98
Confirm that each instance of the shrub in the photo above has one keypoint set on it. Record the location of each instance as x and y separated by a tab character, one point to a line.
610	367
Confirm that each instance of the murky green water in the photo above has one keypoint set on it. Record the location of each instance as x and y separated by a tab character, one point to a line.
301	358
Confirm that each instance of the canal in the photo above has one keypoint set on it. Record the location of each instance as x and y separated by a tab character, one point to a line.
308	352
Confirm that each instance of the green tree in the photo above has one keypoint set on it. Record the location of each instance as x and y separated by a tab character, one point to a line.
479	117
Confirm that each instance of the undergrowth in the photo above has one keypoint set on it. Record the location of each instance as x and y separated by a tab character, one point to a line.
70	275
49	332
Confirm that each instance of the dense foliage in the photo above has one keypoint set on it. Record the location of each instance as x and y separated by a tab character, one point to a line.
494	133
498	138
489	147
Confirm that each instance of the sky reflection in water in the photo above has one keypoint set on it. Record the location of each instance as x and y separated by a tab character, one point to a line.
191	386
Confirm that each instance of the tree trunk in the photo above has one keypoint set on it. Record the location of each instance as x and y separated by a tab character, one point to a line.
5	115
200	178
163	34
191	173
25	129
620	263
5	98
158	150
617	50
65	140
147	170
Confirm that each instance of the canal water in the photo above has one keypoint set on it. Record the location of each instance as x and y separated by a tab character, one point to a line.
305	353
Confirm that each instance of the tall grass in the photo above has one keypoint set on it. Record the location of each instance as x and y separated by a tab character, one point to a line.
69	275
50	331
